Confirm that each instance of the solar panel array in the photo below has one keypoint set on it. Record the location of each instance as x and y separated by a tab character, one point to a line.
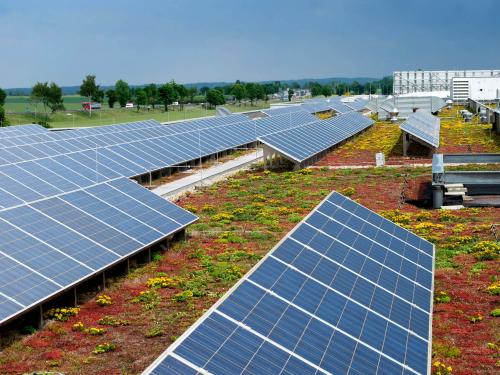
424	126
319	105
357	104
66	210
303	142
48	178
18	130
346	291
29	172
54	243
282	110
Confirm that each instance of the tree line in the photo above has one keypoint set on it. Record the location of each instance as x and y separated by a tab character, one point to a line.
51	97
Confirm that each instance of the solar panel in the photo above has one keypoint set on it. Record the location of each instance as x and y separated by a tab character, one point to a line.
424	126
317	107
339	107
357	104
346	291
16	130
40	170
282	110
57	242
303	142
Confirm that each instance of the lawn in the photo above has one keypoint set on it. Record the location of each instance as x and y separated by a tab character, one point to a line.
241	219
24	104
110	116
75	117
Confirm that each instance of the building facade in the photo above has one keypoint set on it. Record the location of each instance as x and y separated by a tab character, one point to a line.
406	82
481	89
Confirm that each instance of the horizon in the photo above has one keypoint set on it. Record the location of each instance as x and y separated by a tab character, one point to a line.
192	41
218	82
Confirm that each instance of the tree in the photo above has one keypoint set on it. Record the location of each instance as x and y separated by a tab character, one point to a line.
3	95
290	94
167	94
326	90
215	97
91	90
55	100
49	95
39	93
140	98
98	97
181	91
260	92
111	95
122	91
316	89
204	90
3	122
192	91
251	90
238	90
151	94
356	88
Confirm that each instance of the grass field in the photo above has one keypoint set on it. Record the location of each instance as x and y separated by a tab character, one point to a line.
106	116
24	104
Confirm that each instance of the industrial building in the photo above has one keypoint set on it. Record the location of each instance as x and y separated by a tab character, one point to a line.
436	81
482	89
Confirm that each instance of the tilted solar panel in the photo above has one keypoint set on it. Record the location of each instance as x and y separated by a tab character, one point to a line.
339	107
282	110
33	172
357	104
346	291
424	126
20	130
303	142
55	243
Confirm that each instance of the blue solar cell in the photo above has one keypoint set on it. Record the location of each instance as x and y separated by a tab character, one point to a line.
113	217
328	297
22	284
55	234
303	142
38	256
174	367
88	226
8	307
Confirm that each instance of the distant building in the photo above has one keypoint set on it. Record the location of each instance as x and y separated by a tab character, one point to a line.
415	81
482	89
297	94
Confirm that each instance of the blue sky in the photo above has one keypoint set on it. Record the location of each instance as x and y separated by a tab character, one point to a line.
223	40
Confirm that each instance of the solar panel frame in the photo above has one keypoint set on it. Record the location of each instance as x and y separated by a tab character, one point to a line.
424	126
386	364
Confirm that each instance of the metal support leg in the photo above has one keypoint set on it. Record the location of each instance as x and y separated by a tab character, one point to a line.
437	196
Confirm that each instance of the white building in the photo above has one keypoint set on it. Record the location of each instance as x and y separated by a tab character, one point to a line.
482	89
414	81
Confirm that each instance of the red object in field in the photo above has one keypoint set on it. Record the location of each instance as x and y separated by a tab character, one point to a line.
90	105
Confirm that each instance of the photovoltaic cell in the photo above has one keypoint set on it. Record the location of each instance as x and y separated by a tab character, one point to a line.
303	142
54	243
339	294
56	163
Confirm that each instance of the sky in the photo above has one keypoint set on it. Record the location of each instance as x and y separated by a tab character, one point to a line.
143	41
